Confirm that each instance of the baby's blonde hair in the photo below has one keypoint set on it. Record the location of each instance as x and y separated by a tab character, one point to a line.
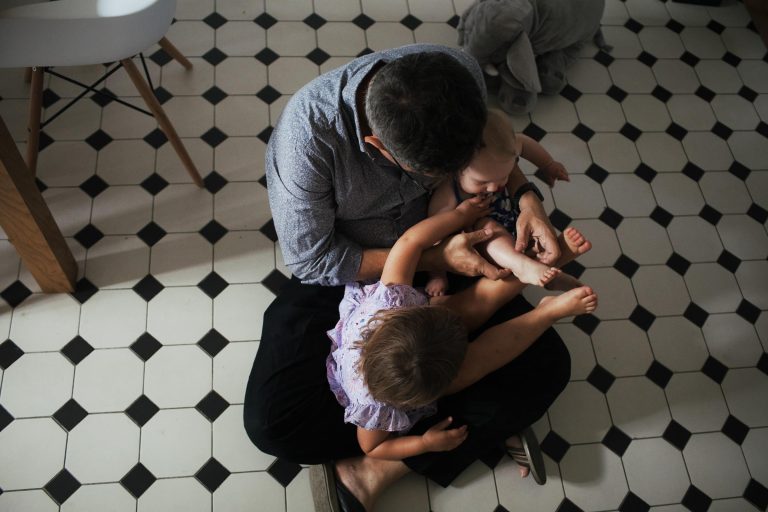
411	355
498	134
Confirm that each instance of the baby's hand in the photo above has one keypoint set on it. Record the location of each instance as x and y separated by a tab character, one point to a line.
554	171
475	208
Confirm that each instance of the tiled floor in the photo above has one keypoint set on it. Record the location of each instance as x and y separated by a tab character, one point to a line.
127	395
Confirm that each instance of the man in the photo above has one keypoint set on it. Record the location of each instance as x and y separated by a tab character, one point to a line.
349	169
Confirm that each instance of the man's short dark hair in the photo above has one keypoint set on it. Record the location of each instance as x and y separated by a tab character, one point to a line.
428	111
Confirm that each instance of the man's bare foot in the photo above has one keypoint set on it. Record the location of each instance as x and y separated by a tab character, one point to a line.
366	477
572	245
515	442
563	282
436	286
574	302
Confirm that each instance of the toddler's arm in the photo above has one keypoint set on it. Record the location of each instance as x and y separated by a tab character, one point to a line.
439	438
405	254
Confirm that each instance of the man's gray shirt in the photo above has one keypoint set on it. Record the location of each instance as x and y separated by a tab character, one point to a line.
331	194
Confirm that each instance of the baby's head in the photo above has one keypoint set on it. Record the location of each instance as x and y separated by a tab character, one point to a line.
411	355
489	169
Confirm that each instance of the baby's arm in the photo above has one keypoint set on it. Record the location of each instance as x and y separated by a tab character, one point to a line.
549	170
439	438
405	254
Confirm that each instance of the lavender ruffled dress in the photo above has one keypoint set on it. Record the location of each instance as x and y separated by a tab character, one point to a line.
360	303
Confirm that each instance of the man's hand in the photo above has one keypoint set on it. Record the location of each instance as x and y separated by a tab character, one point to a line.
439	439
458	254
533	225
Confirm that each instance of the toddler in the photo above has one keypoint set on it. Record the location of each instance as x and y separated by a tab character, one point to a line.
487	175
393	354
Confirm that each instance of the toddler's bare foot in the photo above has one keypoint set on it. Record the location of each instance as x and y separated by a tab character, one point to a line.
563	282
572	245
436	286
574	302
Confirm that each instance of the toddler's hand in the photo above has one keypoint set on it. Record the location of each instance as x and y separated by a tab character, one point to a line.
441	439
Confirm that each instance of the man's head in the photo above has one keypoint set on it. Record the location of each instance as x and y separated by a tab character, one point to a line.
427	110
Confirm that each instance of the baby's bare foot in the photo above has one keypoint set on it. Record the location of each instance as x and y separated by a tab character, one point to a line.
574	302
530	271
436	286
572	245
563	282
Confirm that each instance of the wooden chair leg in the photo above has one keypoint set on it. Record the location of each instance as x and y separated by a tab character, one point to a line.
162	119
174	52
33	126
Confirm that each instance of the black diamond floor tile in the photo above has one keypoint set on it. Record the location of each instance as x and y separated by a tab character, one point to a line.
363	21
706	94
77	350
89	236
268	230
5	418
714	369
138	480
642	318
154	184
596	173
62	486
559	219
212	405
678	264
94	186
275	281
758	213
757	494
267	56
214	182
212	285
213	231
142	410
555	446
99	139
661	94
587	323
695	500
156	138
146	346
601	379
617	93
84	290
70	414
9	354
534	131
735	429
214	20
693	171
213	342
265	21
739	170
151	234
15	293
616	441
283	471
318	56
411	22
626	265
696	314
748	311
583	132
214	137
314	21
212	474
633	503
676	435
729	261
659	374
148	287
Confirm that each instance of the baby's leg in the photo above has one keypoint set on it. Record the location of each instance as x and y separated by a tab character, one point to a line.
501	250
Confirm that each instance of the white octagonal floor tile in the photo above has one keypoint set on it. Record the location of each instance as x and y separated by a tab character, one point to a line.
175	442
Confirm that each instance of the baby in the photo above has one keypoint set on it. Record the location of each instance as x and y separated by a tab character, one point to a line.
487	175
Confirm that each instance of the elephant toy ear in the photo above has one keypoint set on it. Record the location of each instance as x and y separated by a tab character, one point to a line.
521	63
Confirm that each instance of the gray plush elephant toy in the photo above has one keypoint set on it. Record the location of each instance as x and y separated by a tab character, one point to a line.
529	43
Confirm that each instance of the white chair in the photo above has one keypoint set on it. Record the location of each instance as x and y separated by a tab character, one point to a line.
39	34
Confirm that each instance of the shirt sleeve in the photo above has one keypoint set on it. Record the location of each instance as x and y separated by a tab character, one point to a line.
303	203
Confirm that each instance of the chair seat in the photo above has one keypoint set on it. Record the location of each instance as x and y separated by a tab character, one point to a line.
80	32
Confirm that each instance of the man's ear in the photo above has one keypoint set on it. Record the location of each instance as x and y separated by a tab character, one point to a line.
375	142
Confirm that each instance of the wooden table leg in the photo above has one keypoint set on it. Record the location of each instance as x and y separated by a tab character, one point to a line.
29	224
